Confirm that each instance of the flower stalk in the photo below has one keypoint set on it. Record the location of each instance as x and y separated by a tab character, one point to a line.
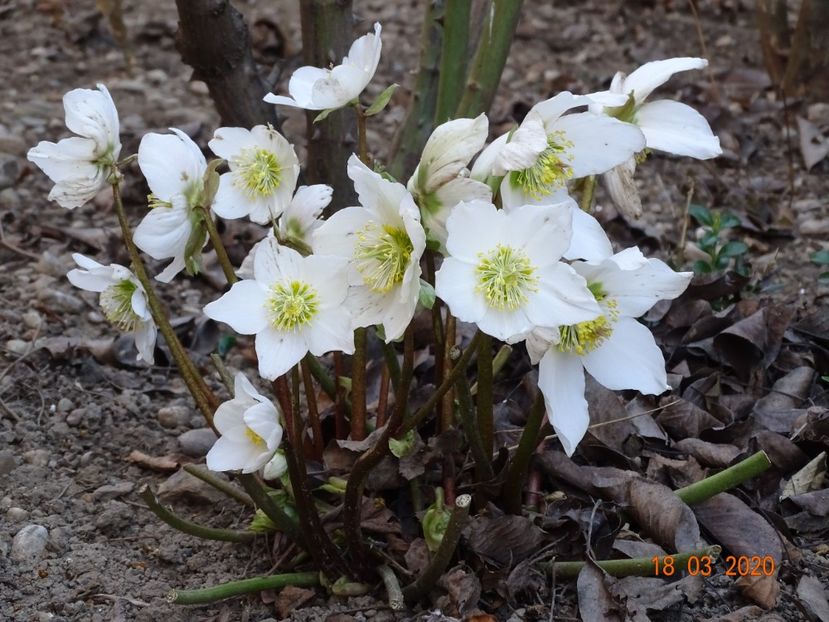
483	466
219	484
224	591
635	567
484	393
358	386
313	410
218	246
517	473
725	480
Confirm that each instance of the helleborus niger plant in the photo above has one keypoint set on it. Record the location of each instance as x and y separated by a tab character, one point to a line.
484	241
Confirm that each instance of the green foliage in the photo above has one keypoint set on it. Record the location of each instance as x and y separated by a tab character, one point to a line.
821	258
723	253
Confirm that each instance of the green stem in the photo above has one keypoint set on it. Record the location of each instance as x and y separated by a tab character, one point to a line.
483	467
636	567
313	410
264	502
193	529
499	360
517	473
390	354
224	374
447	404
449	380
417	590
484	394
218	246
393	591
245	586
725	480
453	58
358	386
587	192
490	57
319	372
205	399
219	484
362	141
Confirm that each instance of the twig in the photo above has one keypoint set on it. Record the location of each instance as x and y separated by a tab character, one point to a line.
443	555
193	529
724	480
684	232
393	591
245	586
636	567
219	484
446	409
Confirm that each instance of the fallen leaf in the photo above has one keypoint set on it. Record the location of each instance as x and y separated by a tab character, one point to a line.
505	540
778	410
417	556
463	589
596	601
155	463
813	145
290	598
816	503
708	454
746	614
645	594
812	595
682	419
807	479
183	486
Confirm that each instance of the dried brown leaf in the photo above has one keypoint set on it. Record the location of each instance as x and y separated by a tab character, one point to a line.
290	598
812	595
156	463
645	594
807	479
505	540
709	454
682	419
813	145
463	589
747	614
596	601
777	411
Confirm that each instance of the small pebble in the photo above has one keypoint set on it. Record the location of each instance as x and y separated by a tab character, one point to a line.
75	417
65	405
29	543
17	346
8	462
111	491
17	515
32	318
196	443
37	457
171	417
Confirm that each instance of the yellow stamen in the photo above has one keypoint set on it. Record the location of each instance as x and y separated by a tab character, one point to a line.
382	255
116	303
292	305
254	438
258	172
505	276
550	171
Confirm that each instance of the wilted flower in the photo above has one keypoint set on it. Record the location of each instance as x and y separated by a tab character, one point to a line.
263	173
314	88
249	428
503	271
549	148
174	168
383	241
123	300
293	305
441	179
614	348
80	166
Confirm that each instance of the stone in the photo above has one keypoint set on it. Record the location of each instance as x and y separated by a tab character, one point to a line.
196	443
174	416
9	170
16	515
8	461
37	457
32	318
65	405
60	301
29	543
111	491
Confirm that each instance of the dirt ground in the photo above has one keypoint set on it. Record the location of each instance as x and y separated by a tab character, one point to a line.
75	407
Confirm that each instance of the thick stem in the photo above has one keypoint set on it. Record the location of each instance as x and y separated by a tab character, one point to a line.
725	480
318	371
245	586
499	360
393	591
362	140
264	502
447	410
219	484
383	398
313	410
483	467
636	567
214	40
193	529
218	246
358	386
417	590
517	473
340	402
203	396
588	190
490	57
453	58
484	393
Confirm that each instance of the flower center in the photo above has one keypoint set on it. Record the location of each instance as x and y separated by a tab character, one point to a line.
254	438
292	304
505	276
382	255
116	303
258	172
153	202
550	170
587	336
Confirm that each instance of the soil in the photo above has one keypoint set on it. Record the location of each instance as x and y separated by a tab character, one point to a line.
75	407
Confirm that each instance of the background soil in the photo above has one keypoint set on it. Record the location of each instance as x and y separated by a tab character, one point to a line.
74	407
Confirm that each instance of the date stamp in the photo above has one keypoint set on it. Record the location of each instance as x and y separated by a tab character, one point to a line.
706	565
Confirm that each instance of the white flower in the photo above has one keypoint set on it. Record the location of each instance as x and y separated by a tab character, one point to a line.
174	167
503	271
313	88
263	173
383	241
667	125
441	179
80	165
249	428
122	300
549	148
302	216
293	305
614	348
276	467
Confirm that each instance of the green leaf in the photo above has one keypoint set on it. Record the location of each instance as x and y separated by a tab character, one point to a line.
701	214
324	114
821	258
733	249
728	221
722	262
401	448
701	267
708	240
426	297
381	102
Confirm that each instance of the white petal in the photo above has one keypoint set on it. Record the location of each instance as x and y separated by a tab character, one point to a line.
510	326
242	308
515	196
539	341
92	114
365	52
447	197
139	302
163	232
274	263
76	192
227	142
366	181
172	269
331	331
607	99
263	419
229	417
366	307
599	142
145	336
230	202
455	285
561	381
278	351
339	234
243	389
92	276
343	84
226	455
628	359
621	186
172	163
326	274
655	73
281	100
485	163
543	232
449	149
562	298
589	240
68	159
676	128
524	146
301	86
551	109
474	227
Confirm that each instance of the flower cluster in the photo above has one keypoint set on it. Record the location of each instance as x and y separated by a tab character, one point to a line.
517	256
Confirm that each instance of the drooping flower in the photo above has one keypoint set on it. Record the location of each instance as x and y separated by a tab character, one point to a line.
503	271
249	428
174	167
383	240
81	165
293	305
614	348
668	125
302	216
123	300
441	179
315	88
263	173
549	148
